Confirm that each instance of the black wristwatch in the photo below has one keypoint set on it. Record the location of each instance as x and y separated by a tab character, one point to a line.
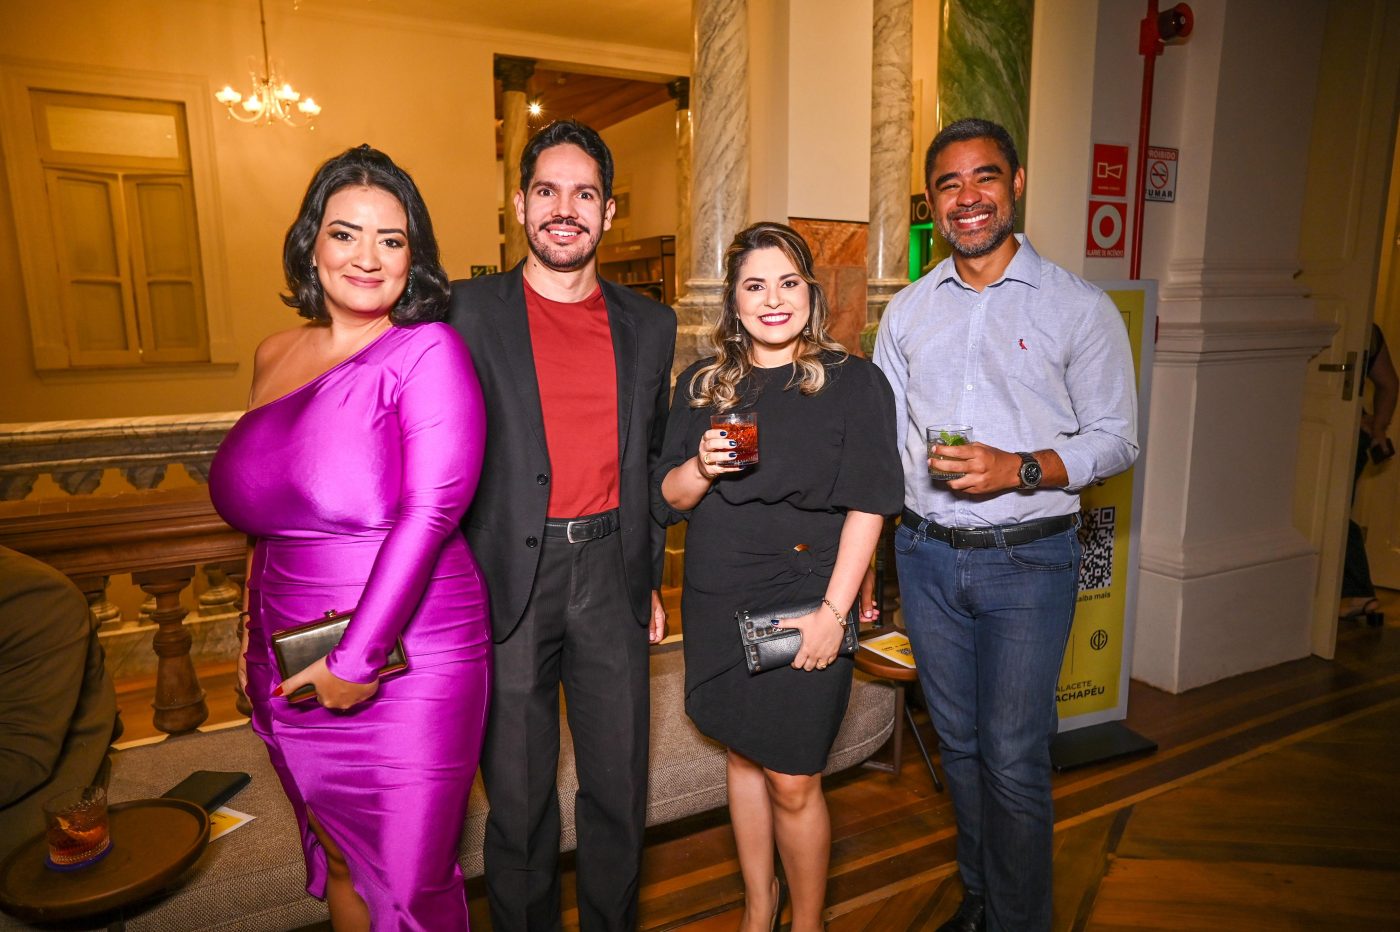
1031	472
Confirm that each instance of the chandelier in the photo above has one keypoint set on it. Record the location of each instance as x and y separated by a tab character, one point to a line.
273	100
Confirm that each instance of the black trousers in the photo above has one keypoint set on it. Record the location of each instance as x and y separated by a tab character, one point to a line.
1356	568
578	630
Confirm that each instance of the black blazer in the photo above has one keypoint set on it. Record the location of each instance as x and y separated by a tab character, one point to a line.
505	522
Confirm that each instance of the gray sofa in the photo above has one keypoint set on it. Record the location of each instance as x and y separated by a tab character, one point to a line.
252	879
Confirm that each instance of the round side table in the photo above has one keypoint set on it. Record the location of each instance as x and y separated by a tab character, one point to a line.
154	841
902	677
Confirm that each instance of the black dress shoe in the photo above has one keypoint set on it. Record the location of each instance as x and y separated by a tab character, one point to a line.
970	917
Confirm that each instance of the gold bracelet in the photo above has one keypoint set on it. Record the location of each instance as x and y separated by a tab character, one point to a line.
840	619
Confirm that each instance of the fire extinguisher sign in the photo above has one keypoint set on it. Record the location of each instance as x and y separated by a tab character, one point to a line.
1161	175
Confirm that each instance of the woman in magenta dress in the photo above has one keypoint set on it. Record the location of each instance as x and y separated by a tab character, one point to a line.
350	472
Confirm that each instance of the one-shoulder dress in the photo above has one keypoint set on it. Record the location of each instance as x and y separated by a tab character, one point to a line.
353	486
767	538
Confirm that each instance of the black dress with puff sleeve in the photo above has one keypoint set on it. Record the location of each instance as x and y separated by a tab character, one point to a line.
819	456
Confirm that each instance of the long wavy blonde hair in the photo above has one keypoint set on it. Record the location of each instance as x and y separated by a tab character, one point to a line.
717	384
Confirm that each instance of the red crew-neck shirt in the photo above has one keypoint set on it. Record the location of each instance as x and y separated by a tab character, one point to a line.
577	376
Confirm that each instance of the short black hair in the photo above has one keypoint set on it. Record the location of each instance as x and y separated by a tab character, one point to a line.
425	298
572	133
962	131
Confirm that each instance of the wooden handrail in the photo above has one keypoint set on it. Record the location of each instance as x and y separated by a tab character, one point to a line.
159	537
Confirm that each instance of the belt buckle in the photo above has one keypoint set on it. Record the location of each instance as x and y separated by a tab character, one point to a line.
569	532
955	538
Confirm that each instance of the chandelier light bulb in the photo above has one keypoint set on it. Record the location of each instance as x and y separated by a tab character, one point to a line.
272	98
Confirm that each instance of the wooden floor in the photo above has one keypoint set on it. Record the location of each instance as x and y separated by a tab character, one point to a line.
1272	803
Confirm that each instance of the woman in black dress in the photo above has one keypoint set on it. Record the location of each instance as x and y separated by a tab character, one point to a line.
798	527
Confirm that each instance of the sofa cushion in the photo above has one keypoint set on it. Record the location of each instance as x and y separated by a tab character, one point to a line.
253	878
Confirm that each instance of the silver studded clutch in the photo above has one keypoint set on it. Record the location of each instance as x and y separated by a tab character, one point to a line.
767	647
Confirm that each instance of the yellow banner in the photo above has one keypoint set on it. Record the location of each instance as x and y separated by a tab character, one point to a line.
1094	658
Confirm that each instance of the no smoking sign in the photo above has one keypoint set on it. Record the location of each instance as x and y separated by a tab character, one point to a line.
1161	175
1107	225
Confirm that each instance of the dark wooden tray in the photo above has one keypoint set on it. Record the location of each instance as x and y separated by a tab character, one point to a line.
154	841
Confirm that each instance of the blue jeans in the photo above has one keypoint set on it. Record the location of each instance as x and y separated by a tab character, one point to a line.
989	628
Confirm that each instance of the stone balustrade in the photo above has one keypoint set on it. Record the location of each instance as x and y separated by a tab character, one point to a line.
77	453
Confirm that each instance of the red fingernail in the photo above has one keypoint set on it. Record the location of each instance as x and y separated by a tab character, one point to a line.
278	690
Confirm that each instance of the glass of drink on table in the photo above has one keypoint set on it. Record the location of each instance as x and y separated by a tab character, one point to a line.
75	822
742	428
946	435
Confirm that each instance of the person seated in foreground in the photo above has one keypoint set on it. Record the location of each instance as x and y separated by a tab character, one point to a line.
58	707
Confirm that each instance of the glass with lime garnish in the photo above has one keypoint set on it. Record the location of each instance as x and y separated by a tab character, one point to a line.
946	435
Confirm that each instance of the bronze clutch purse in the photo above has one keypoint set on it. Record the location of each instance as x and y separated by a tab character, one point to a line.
297	648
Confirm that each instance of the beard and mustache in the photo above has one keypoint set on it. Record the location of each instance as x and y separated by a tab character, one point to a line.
569	257
978	243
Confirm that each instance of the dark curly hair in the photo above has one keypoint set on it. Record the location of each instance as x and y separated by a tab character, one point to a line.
425	299
962	131
573	133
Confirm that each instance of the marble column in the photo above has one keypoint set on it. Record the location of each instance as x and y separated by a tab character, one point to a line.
514	74
977	40
680	90
891	141
719	196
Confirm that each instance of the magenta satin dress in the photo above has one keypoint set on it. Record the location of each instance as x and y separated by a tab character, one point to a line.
353	486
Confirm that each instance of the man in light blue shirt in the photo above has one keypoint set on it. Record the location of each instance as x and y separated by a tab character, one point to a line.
1037	362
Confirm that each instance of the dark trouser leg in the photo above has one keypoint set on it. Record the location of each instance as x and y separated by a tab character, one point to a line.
520	758
606	673
1356	569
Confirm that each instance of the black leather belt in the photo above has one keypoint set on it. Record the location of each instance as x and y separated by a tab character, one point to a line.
967	538
578	530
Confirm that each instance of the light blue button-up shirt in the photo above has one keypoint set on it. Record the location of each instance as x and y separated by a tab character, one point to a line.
1038	360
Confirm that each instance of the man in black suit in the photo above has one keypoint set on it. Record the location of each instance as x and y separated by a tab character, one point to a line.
576	372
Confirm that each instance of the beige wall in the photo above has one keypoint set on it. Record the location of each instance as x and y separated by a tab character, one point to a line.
829	77
809	109
421	91
925	80
644	159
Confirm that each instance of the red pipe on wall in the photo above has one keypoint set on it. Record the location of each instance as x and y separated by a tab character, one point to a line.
1154	29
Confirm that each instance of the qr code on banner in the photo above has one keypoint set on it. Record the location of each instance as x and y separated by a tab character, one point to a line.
1096	526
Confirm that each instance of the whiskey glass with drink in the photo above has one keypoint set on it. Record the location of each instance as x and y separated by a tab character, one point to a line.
742	428
75	823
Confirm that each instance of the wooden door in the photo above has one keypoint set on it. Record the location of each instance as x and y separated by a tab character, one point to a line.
1378	492
1343	209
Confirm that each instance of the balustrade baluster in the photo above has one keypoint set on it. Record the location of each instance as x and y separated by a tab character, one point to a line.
102	608
78	481
237	573
223	597
179	703
14	487
145	476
